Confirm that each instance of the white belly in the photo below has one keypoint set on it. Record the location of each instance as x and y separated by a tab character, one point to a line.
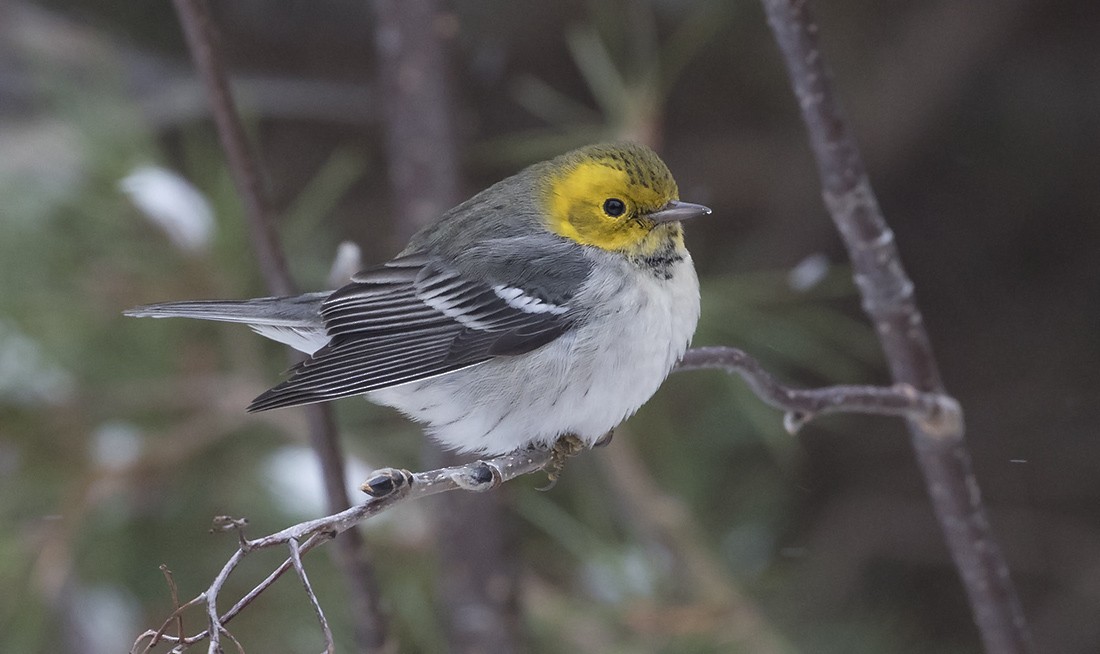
584	383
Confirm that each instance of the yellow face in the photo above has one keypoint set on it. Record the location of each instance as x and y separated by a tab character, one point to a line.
601	197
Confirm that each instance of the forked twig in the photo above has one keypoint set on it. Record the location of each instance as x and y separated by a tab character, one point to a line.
388	487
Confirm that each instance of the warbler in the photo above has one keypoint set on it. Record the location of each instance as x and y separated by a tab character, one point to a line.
552	304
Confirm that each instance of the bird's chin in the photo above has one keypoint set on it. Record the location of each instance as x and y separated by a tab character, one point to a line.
663	233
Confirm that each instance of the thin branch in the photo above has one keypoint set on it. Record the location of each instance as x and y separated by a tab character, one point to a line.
204	43
296	559
313	541
211	597
184	642
888	300
939	412
389	487
237	643
175	598
156	636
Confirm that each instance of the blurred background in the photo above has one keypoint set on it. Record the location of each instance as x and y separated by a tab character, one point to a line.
704	527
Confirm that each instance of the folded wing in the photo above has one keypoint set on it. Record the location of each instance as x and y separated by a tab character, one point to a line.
412	319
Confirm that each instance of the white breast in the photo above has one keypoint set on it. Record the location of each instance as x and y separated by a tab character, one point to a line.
585	382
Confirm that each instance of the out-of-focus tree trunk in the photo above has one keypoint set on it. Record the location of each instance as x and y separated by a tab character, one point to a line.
477	586
418	108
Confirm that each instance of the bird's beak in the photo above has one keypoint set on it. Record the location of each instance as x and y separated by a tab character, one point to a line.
676	210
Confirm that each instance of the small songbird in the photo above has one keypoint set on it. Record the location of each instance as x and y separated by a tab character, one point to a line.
552	304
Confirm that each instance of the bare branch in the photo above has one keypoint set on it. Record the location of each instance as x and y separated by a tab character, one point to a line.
312	542
888	300
940	412
388	488
216	627
175	598
158	635
204	43
296	559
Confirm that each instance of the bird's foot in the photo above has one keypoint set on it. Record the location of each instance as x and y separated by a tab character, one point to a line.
566	447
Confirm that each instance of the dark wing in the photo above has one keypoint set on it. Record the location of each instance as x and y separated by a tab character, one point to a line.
412	319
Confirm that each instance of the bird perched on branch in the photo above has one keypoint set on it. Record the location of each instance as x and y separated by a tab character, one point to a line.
552	304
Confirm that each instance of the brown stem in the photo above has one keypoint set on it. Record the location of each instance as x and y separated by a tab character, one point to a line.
888	300
204	44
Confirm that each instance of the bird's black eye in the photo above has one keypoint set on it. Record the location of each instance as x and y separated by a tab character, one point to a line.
614	207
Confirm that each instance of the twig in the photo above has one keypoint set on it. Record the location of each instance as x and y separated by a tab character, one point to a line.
296	560
204	43
940	412
184	642
175	598
211	597
389	488
888	300
156	636
313	541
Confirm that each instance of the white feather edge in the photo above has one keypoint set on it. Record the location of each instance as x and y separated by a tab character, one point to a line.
302	339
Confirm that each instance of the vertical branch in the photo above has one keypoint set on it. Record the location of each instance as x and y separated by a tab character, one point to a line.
418	104
204	44
478	578
888	300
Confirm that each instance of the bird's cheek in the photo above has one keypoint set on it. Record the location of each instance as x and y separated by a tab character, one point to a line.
588	224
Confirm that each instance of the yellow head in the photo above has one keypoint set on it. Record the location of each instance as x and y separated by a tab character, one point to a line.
619	197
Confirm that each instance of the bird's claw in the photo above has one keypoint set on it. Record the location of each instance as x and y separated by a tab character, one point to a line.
567	446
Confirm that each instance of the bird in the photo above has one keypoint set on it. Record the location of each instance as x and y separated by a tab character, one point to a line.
548	307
